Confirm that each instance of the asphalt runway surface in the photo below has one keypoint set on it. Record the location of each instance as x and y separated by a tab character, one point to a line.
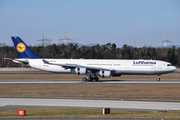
94	82
95	104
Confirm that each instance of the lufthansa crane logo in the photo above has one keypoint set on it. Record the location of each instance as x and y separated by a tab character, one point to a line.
21	47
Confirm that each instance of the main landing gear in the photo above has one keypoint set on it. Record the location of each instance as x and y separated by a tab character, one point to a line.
89	78
158	78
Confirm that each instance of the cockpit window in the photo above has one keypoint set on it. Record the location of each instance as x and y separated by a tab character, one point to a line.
169	65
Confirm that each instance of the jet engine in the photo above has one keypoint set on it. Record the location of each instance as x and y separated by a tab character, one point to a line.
79	71
103	73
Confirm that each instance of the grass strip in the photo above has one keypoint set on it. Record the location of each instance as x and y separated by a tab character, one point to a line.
150	92
33	112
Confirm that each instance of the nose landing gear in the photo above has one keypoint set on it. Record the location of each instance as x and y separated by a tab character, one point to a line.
158	78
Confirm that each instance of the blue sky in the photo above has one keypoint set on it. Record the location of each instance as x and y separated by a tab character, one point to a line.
91	21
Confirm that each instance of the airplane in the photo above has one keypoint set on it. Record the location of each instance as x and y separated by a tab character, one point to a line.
91	67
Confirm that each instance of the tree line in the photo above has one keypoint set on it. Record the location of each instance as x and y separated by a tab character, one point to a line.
107	51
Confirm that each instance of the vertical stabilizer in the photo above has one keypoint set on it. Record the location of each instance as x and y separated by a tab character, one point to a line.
22	49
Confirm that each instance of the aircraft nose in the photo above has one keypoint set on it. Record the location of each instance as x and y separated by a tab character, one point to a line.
174	68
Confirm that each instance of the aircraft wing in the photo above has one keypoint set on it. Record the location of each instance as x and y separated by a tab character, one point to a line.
69	66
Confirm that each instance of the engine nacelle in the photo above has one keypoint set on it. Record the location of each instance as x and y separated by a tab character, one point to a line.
79	71
103	73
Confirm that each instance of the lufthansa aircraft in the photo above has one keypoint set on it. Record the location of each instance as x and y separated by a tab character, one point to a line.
90	67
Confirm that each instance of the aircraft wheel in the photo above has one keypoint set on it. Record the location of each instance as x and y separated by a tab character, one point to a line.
91	79
158	79
96	78
84	79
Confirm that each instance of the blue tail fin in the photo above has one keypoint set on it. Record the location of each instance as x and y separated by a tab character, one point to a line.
22	49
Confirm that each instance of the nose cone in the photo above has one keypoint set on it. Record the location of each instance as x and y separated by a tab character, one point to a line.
174	68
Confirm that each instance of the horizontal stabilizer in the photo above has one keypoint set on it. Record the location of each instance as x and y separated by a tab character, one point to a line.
21	61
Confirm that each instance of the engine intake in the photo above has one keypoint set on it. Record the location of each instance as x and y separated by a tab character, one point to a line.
103	73
79	71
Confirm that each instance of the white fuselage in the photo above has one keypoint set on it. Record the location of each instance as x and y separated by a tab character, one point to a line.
117	67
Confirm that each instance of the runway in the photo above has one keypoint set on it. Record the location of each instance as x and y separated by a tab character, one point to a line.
77	103
91	82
